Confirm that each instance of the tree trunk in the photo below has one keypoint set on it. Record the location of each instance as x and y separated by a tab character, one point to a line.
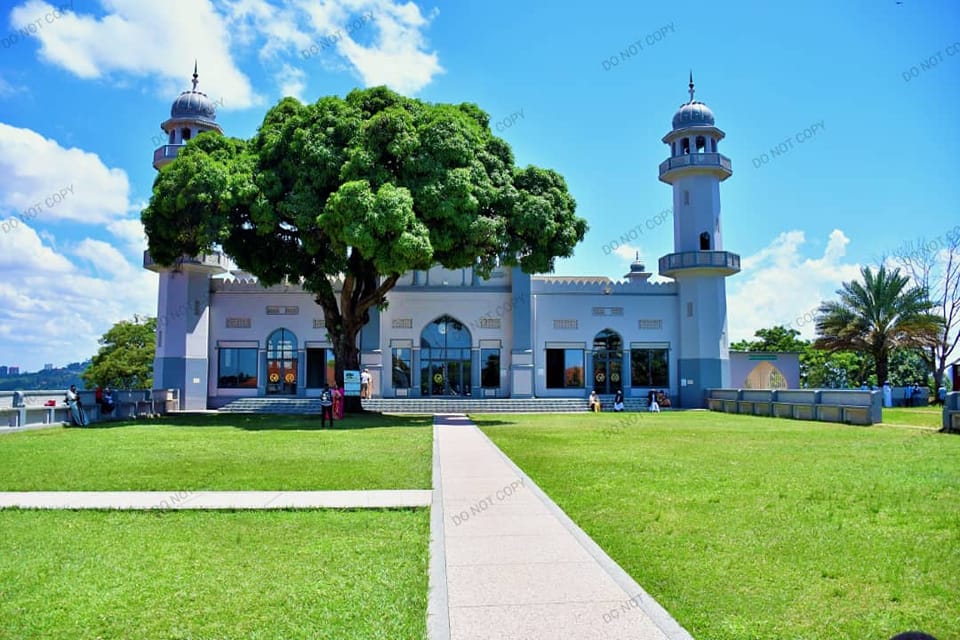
345	319
883	367
347	358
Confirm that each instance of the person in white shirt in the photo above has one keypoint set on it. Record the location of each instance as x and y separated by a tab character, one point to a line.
365	379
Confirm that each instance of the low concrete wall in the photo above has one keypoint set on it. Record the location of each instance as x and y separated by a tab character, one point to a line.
827	405
951	412
127	404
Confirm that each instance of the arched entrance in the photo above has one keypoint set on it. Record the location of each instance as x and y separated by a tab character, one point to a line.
607	361
282	363
765	376
445	358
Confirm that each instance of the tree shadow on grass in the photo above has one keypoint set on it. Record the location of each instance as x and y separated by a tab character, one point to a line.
276	422
491	422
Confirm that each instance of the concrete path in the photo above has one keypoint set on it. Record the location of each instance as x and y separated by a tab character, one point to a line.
507	563
185	499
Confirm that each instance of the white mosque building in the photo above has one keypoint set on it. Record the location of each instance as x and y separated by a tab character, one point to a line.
222	336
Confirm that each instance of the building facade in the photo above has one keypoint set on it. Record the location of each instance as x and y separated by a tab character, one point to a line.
448	333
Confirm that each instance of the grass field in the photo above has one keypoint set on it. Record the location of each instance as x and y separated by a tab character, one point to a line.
204	575
914	416
757	528
222	452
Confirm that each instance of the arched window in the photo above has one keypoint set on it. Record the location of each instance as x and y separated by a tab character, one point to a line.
765	376
701	144
445	358
185	134
607	361
282	363
705	241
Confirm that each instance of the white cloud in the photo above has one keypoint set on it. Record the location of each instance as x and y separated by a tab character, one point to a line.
42	182
130	233
627	253
779	286
149	39
53	309
7	90
397	58
292	82
59	294
382	41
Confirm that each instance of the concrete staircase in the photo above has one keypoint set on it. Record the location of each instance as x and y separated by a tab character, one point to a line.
286	406
311	406
494	405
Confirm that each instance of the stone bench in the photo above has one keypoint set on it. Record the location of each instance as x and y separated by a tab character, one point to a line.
827	405
951	412
753	407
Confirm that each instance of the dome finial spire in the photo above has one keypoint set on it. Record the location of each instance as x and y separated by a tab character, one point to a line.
691	85
195	76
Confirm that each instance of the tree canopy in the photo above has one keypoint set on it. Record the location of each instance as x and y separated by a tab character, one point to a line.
363	189
125	358
877	315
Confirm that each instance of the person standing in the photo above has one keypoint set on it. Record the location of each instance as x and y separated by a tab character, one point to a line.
365	379
942	395
887	394
75	405
654	405
107	405
326	406
337	402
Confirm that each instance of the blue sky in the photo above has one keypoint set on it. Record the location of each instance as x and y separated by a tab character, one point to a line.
84	89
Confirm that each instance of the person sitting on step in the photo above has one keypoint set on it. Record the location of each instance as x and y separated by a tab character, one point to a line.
594	402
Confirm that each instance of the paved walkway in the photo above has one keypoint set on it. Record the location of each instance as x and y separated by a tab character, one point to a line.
507	563
186	499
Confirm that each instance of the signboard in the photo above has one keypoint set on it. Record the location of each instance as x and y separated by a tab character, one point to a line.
351	383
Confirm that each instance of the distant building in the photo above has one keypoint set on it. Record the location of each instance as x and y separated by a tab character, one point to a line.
3	372
13	371
48	367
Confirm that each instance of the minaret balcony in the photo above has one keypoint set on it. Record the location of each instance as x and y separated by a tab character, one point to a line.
721	262
165	154
213	263
717	163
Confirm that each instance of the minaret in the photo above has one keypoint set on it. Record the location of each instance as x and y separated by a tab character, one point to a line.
192	113
183	297
699	264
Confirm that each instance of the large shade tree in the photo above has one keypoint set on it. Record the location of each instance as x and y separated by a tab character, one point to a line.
877	315
346	195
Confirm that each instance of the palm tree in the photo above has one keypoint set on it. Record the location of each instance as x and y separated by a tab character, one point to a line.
876	316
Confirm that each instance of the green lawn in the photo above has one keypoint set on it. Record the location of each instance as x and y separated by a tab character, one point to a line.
914	416
222	452
204	575
758	528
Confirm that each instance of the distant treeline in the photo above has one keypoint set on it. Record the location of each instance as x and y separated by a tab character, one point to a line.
49	379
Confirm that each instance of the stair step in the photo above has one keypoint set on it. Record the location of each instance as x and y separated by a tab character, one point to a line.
304	406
